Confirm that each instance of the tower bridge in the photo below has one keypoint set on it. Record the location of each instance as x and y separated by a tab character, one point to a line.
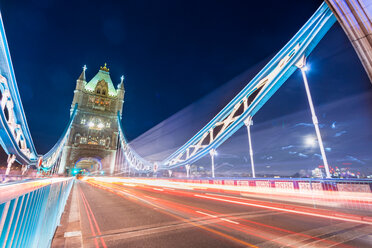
94	132
115	211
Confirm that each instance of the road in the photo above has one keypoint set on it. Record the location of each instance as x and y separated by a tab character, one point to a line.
127	215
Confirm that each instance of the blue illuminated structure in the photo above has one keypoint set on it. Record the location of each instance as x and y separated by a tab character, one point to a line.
30	211
246	104
15	137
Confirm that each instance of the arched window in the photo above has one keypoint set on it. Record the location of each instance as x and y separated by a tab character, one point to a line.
104	92
98	91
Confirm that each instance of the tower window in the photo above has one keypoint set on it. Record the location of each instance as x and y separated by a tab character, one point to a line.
98	91
108	124
104	92
83	121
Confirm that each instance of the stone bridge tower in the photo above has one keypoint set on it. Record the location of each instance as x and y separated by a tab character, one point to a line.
93	138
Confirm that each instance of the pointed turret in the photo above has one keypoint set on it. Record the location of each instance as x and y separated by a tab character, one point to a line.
81	81
82	75
120	91
78	93
121	85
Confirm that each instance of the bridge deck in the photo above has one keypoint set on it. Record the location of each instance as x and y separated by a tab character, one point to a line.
116	215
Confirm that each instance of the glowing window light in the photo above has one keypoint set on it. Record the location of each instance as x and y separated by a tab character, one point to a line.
100	125
90	124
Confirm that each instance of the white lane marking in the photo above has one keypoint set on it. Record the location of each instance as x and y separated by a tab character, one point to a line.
158	189
72	234
200	212
231	221
150	197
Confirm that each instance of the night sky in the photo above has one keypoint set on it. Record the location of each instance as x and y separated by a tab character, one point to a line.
172	53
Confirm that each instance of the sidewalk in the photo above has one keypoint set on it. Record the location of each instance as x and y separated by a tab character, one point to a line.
68	233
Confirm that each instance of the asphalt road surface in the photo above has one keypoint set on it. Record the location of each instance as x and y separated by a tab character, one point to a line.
124	215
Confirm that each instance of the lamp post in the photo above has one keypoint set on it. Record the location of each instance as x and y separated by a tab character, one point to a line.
187	167
213	152
302	65
248	123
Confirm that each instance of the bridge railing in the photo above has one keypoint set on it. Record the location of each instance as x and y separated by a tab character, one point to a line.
30	211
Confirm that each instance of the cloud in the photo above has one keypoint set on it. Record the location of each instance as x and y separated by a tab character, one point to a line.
348	157
340	133
303	124
317	155
302	155
287	147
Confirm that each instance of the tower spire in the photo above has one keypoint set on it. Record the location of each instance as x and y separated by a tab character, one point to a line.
121	84
82	75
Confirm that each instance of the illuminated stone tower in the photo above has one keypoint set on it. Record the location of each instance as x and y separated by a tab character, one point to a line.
93	137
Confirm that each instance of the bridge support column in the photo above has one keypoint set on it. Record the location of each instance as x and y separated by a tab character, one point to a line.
187	170
11	159
62	164
112	163
24	169
302	65
248	123
212	152
355	18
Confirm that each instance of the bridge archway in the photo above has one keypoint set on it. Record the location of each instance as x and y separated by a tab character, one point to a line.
89	164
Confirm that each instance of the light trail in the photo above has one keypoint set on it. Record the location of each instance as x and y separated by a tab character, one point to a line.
334	217
167	212
250	227
90	221
362	200
94	219
278	207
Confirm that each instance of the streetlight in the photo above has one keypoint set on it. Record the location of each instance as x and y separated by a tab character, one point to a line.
310	141
302	66
187	167
213	153
248	123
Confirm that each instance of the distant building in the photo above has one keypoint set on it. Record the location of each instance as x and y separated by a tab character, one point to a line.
92	141
317	173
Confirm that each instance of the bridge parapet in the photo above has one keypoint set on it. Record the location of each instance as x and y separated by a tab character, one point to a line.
30	211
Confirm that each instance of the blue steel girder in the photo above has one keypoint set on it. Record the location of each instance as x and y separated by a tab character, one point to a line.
260	89
246	104
15	135
51	157
135	161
